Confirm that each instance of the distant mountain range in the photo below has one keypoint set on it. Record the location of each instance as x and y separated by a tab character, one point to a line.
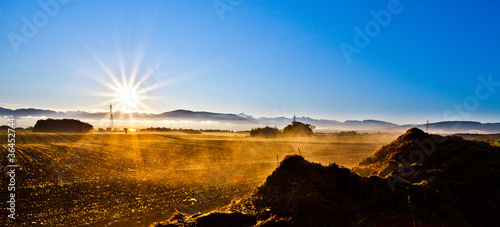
244	121
176	114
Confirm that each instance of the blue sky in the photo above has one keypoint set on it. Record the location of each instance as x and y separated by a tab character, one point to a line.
264	58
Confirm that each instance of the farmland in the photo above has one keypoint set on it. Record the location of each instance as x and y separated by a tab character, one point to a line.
140	178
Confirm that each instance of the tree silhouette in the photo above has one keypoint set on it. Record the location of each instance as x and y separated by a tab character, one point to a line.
62	125
298	129
266	132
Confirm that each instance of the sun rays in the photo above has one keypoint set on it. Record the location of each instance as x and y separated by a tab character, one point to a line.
128	73
128	89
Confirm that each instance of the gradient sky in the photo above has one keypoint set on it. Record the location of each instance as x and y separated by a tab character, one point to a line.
264	58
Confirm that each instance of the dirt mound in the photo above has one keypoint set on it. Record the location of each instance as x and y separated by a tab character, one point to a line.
465	173
455	184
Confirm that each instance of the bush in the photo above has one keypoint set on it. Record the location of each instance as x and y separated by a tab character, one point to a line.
298	129
348	133
266	132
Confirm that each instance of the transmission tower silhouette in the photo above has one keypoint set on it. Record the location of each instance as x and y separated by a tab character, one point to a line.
111	124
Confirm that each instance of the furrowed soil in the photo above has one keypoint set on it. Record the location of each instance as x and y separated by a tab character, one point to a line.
137	179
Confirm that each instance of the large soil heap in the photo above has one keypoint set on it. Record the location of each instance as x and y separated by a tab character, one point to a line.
418	179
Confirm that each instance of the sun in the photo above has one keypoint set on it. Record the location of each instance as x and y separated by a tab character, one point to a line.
128	80
127	97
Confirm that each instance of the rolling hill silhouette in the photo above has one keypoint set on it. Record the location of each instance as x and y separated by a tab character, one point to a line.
243	119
